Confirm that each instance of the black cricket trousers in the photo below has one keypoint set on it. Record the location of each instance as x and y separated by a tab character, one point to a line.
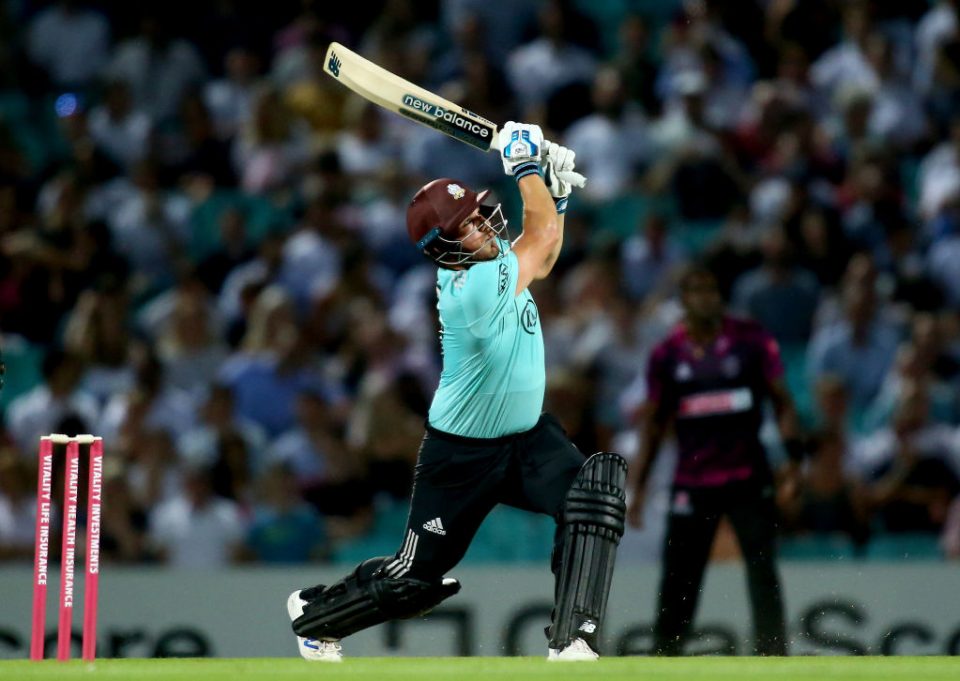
458	481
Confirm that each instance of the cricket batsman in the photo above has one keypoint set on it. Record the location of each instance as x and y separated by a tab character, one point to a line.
487	441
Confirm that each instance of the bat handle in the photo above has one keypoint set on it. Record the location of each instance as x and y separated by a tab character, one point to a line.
574	178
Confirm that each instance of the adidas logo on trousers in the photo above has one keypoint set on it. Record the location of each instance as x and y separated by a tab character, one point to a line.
434	526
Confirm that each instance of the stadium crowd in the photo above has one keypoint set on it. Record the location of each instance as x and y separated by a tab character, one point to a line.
203	255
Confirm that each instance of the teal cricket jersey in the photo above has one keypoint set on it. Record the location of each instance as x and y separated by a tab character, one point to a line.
493	375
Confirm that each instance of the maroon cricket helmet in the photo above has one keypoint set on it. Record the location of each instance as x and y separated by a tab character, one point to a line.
434	217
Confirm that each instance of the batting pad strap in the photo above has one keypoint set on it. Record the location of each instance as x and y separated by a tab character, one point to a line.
524	169
596	508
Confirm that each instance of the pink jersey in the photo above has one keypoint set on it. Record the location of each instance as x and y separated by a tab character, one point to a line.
715	395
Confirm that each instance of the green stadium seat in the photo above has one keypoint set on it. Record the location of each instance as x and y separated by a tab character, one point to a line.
909	176
794	364
817	547
696	235
24	362
509	535
14	106
622	217
389	522
905	546
262	217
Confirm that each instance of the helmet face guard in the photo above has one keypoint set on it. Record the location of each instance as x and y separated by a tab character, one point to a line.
450	253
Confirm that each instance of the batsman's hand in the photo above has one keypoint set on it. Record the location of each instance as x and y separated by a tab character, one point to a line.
521	148
558	164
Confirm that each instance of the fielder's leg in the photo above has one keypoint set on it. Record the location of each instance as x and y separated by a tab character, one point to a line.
686	548
754	519
592	524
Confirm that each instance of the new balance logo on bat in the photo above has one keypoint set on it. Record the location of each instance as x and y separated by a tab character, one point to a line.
334	64
451	117
434	526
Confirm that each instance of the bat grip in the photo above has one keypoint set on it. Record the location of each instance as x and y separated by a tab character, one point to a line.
576	179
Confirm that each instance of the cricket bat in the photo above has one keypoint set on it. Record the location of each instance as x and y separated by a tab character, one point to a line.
392	92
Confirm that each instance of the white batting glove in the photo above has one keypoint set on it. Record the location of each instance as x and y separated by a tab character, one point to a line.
521	147
558	164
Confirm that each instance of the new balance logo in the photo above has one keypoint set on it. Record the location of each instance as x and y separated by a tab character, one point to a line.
588	627
434	526
334	65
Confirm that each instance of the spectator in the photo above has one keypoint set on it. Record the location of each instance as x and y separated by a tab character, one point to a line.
650	258
201	158
18	507
827	501
151	403
913	479
911	368
612	142
97	331
230	99
385	423
897	115
123	530
245	282
159	66
197	529
635	60
859	348
846	62
59	397
703	177
936	27
541	67
188	346
124	133
778	294
233	250
364	147
284	528
331	476
272	367
150	227
939	174
273	146
70	43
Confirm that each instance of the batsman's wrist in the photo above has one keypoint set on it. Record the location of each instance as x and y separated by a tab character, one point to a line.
561	203
528	168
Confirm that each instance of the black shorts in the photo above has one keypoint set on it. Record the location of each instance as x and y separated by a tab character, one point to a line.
459	480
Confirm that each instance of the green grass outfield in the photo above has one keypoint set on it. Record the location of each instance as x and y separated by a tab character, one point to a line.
520	668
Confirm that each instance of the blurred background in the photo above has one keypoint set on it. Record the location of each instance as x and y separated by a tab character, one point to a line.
203	256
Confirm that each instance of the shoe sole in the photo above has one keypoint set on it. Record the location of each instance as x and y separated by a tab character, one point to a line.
308	648
571	658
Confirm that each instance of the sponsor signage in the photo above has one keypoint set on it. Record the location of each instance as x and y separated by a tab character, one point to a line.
833	609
